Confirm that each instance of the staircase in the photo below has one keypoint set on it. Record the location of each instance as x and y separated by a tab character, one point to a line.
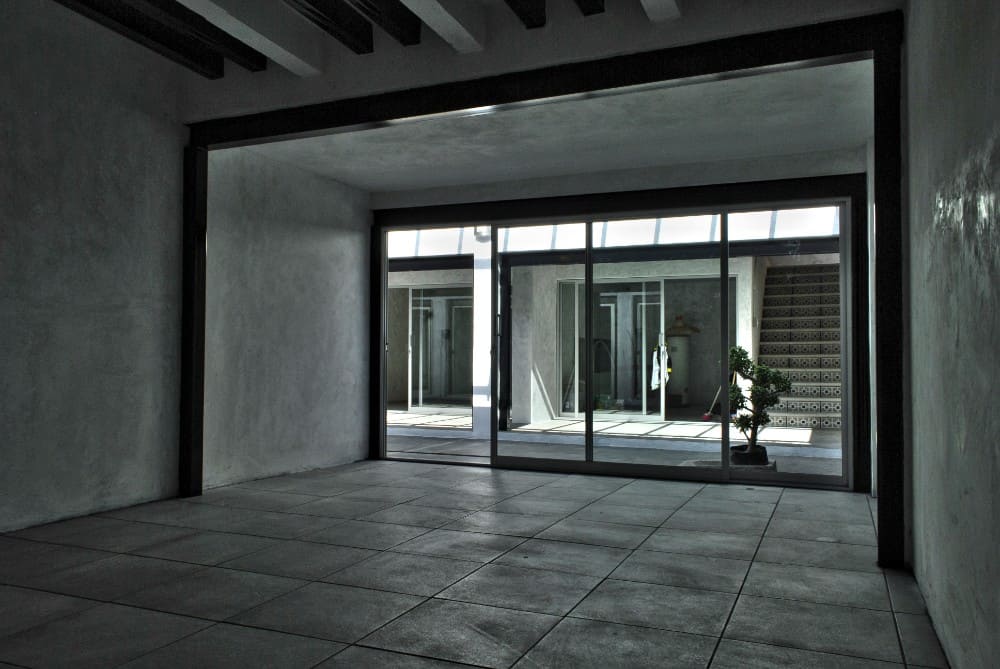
800	335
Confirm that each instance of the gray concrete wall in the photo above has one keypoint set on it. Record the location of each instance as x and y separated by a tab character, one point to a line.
90	230
953	86
286	350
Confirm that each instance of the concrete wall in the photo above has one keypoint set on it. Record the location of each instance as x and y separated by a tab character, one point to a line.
953	85
90	231
286	351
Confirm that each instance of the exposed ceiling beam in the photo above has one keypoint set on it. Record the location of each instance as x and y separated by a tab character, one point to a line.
661	10
391	16
531	12
127	19
460	23
338	19
175	15
271	28
589	7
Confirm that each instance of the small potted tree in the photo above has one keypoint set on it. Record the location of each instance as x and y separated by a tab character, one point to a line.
750	409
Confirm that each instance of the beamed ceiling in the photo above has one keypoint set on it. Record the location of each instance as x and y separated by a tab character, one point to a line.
202	34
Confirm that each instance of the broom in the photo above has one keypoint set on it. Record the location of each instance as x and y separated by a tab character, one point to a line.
711	408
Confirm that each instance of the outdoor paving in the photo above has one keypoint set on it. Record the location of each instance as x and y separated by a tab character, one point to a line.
403	564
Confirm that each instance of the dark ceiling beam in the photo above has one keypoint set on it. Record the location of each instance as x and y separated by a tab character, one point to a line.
391	16
340	20
174	15
126	18
531	12
590	7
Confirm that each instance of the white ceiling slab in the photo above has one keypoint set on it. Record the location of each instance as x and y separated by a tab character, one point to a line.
661	10
781	113
460	23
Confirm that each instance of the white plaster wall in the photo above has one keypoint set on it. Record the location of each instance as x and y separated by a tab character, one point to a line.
90	231
953	71
286	351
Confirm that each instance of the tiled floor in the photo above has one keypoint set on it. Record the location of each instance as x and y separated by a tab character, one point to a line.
396	564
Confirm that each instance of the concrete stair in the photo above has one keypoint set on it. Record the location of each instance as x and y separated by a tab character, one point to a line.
800	335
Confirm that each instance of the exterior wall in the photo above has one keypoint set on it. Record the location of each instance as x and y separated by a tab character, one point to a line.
954	245
286	350
90	232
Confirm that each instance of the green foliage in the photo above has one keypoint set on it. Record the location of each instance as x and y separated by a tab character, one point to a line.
766	385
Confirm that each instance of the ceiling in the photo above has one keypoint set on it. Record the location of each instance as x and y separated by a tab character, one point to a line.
796	111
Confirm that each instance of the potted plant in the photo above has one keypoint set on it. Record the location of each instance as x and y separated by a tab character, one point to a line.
750	409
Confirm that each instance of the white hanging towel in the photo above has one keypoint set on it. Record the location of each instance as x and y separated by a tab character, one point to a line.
654	382
665	357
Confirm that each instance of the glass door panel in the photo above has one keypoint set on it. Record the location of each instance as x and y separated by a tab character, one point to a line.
542	312
656	343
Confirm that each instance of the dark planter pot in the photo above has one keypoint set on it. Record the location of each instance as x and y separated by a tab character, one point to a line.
741	455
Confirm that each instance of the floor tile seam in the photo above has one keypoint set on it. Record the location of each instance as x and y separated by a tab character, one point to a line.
809	650
166	645
875	570
581	543
358	644
829	543
573	608
814	650
612	577
704	635
813	601
199	570
55	542
895	621
732	609
93	604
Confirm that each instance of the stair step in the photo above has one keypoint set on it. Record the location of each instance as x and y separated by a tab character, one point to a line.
801	300
802	311
781	336
800	375
803	269
798	362
805	289
795	279
814	324
810	421
803	391
800	348
799	406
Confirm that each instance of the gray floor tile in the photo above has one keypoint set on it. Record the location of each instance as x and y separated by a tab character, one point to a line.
573	494
584	644
604	512
337	507
743	493
662	502
361	534
470	633
465	501
818	554
181	513
537	590
598	534
419	516
733	507
104	636
709	521
108	534
112	577
282	525
231	647
358	657
688	571
564	556
851	513
819	627
817	584
650	487
334	612
822	530
904	592
58	531
208	548
21	560
711	544
733	654
300	559
460	545
400	572
920	643
318	487
212	593
663	606
394	494
514	524
541	507
246	498
22	609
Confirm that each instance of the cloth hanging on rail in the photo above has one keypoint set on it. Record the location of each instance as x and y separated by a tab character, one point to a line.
661	372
